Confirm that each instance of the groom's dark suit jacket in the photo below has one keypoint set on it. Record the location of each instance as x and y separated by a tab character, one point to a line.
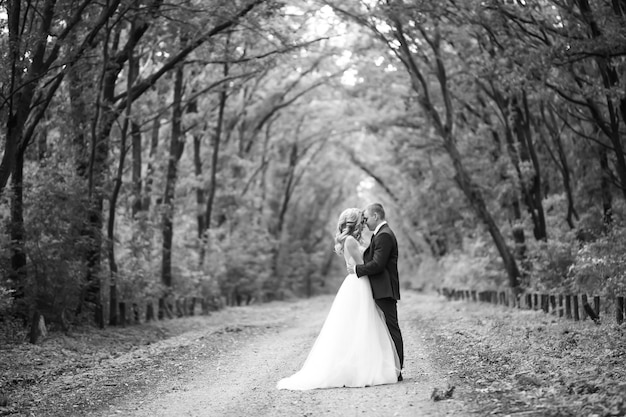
381	264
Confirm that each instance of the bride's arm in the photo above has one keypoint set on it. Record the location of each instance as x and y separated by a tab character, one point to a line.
352	247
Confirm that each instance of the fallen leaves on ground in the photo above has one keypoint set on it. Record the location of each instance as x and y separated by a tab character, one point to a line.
510	362
70	374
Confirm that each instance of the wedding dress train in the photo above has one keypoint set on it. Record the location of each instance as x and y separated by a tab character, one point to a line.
354	347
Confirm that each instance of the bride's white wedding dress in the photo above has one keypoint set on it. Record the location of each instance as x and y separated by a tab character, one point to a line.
354	347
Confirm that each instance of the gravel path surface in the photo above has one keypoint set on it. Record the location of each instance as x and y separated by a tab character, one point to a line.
231	369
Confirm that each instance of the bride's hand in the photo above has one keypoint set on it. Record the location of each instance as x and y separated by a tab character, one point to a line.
350	269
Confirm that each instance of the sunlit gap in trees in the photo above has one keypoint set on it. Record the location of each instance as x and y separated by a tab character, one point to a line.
364	189
324	23
3	20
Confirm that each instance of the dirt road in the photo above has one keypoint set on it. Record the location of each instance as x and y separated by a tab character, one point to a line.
236	375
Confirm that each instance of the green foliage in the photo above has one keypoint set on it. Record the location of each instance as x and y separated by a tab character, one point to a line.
241	263
6	300
475	267
136	261
551	262
599	266
55	207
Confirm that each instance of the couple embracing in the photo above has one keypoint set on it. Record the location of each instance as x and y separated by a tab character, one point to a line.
360	343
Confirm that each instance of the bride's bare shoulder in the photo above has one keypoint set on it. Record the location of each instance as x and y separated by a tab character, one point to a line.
351	243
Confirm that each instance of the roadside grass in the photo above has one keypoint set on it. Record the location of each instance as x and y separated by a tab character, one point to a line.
516	362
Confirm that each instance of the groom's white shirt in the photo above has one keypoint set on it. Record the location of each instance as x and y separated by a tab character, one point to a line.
384	222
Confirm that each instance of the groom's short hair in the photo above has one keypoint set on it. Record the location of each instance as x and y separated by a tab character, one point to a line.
378	209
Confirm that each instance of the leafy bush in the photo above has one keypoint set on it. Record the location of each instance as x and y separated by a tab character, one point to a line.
599	265
56	242
6	300
136	259
240	263
476	267
550	263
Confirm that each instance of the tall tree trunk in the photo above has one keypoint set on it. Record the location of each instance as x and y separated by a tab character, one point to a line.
288	191
135	134
605	188
17	233
177	145
154	146
215	157
519	236
519	145
477	202
117	185
103	120
562	164
200	200
99	148
529	154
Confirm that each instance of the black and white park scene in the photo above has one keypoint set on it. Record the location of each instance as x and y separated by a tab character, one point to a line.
229	208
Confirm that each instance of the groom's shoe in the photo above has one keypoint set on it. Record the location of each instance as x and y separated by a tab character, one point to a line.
400	377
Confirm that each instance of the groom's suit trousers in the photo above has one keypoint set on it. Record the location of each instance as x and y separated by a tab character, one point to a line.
389	308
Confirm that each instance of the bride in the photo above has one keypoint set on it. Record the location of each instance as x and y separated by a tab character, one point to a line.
354	347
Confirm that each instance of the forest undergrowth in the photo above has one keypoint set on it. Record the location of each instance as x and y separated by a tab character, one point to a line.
519	362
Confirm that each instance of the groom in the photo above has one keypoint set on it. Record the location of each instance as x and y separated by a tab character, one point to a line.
381	265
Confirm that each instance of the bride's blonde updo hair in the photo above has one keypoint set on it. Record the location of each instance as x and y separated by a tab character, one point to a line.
349	224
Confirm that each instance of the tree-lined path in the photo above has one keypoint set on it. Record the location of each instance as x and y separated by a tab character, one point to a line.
160	155
501	361
240	378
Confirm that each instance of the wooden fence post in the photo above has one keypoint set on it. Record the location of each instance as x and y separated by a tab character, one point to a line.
593	314
596	305
535	301
192	306
474	295
583	299
544	302
136	313
161	311
204	309
122	316
149	311
553	304
575	302
568	306
560	305
619	310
